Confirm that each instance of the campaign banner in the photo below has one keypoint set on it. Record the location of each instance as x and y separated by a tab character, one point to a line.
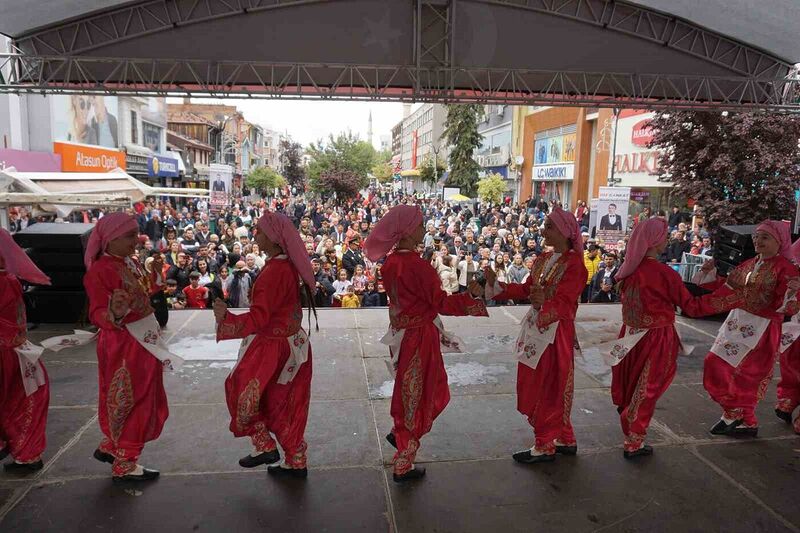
220	182
612	211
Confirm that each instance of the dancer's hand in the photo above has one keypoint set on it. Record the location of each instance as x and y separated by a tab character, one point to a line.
537	296
736	279
220	310
120	303
708	266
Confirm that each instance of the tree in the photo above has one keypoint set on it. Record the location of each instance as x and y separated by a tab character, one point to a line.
344	153
264	180
292	159
740	168
345	183
383	169
461	133
430	171
491	188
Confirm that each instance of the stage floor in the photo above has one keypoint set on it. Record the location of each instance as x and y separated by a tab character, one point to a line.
694	482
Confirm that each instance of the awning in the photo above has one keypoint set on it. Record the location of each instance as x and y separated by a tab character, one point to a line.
79	189
410	173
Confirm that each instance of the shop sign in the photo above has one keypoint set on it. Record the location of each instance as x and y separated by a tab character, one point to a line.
642	133
553	172
160	166
81	158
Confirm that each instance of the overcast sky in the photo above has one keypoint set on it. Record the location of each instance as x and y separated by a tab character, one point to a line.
310	120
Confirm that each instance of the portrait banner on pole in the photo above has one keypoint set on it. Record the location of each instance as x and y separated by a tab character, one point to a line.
612	214
220	182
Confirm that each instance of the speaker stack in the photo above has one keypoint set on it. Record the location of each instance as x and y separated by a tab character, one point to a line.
57	249
734	245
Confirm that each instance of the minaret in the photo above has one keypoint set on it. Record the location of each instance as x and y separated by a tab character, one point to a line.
369	128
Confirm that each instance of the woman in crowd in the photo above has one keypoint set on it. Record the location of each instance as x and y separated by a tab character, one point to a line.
545	347
133	403
740	364
24	384
157	271
240	286
415	301
206	277
269	389
447	273
645	355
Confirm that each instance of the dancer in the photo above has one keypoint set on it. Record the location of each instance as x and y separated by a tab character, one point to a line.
742	359
644	358
24	385
546	345
416	300
269	389
789	385
132	402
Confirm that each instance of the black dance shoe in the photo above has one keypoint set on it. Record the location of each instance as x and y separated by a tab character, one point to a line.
279	471
721	428
417	472
146	475
23	469
4	452
103	457
391	440
526	457
744	431
266	458
641	452
783	415
567	450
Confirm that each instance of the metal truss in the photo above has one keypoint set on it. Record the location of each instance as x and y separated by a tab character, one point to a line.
434	23
229	79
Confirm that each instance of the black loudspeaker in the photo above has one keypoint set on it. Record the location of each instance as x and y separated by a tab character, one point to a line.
57	249
734	245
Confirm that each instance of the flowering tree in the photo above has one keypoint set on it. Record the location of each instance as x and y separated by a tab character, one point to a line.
740	168
345	183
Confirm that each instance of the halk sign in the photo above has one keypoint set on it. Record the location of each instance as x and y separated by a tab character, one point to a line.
642	134
553	172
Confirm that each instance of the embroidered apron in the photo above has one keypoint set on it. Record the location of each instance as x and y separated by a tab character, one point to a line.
298	345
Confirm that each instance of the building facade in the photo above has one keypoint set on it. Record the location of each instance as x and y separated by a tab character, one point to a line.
494	154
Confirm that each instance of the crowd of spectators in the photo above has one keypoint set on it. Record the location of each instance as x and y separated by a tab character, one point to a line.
195	256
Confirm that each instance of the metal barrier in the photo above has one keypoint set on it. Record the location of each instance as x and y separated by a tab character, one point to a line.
689	265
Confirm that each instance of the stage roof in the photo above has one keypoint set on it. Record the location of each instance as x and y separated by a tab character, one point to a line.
650	53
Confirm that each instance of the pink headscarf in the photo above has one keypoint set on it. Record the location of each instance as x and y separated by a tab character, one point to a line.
282	232
779	229
568	227
796	251
646	234
401	221
17	261
108	228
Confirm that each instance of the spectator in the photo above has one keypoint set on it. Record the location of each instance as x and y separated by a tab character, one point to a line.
371	297
517	271
591	259
677	247
448	275
353	256
196	296
240	286
341	285
359	281
350	299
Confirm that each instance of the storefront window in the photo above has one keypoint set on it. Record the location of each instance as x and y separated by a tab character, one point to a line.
152	136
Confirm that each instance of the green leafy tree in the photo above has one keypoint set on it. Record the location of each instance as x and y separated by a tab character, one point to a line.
343	153
461	134
292	159
431	170
383	172
264	180
740	168
491	188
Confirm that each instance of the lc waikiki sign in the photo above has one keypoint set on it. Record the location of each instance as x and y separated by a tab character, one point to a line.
83	158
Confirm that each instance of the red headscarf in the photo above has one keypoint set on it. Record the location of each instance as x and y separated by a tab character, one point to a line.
779	229
568	227
401	221
17	261
646	234
796	251
282	232
108	228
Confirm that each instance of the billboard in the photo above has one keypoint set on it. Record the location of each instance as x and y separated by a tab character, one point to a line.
220	182
554	158
85	119
612	215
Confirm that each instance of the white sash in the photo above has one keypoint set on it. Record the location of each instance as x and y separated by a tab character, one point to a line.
790	332
145	331
298	345
739	334
32	377
394	338
615	351
533	340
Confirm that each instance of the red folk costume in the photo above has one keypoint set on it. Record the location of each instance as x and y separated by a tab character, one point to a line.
789	385
416	300
132	401
546	346
24	385
645	356
739	366
269	390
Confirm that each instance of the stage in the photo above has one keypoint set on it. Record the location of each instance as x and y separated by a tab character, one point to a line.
694	482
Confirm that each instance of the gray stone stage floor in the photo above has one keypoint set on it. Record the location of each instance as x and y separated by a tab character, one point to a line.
694	482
